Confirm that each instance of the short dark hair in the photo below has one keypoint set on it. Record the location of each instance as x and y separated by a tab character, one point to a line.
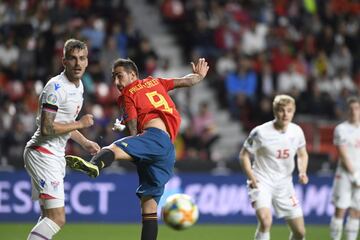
72	44
127	64
352	99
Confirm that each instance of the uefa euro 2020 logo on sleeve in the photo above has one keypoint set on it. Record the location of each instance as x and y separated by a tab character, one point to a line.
51	98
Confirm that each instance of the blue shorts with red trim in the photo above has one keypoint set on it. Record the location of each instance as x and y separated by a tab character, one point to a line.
154	157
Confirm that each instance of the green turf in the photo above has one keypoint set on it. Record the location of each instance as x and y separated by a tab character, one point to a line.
132	232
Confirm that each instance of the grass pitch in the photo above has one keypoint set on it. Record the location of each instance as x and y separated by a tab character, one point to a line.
71	231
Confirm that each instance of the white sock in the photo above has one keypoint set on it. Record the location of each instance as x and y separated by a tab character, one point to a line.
262	235
351	228
336	226
44	230
291	237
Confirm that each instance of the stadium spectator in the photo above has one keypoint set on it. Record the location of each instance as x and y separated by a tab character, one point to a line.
14	141
191	144
146	58
203	124
274	145
341	59
291	80
346	186
266	81
59	104
253	38
226	64
153	123
241	82
94	32
9	56
108	55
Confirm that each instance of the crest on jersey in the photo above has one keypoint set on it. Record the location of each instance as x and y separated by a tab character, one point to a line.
42	183
57	86
55	185
51	98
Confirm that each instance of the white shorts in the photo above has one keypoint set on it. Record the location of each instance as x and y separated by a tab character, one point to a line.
345	194
47	174
281	196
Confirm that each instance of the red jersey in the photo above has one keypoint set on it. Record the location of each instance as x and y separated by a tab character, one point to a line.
148	99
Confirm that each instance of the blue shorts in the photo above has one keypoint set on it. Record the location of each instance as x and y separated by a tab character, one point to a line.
154	157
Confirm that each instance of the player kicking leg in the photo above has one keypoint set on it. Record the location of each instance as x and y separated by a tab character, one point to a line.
79	164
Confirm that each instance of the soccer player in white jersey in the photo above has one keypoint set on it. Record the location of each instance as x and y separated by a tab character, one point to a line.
274	145
59	104
346	187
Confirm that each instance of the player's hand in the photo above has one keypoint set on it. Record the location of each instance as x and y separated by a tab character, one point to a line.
253	183
355	179
87	121
303	178
118	126
201	67
91	147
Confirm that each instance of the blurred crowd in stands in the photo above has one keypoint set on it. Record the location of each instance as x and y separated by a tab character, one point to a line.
256	49
307	49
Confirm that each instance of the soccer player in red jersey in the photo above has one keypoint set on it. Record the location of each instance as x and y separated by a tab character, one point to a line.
153	123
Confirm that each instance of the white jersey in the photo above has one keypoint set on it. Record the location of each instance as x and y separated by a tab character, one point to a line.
60	92
348	135
274	151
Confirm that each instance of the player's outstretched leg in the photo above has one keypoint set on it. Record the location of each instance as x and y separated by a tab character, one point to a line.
103	159
79	164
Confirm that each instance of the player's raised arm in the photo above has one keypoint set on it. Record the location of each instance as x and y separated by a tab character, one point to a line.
200	70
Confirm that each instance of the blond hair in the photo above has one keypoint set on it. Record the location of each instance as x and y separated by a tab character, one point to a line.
282	100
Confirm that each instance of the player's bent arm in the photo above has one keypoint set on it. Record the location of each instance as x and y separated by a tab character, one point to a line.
344	159
79	138
245	163
88	145
132	127
49	128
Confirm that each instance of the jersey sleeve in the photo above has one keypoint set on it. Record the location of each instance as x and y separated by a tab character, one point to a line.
167	83
52	97
339	137
252	143
129	109
301	138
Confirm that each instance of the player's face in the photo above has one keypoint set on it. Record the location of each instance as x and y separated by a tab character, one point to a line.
284	114
122	78
354	111
75	64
